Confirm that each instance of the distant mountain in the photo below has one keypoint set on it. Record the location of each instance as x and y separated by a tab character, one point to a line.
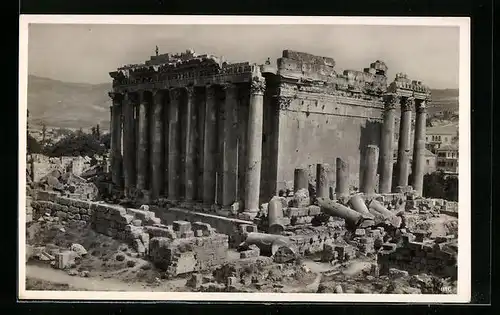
444	99
69	105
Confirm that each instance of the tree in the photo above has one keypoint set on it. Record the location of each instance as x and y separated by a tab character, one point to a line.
434	185
32	145
76	145
97	131
451	189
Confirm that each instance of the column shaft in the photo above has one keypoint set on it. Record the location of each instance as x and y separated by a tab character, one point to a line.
370	173
142	144
129	149
254	143
418	166
157	146
300	179
342	178
404	142
173	146
116	135
189	145
322	184
387	144
209	147
230	150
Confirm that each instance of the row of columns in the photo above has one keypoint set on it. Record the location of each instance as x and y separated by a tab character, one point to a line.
404	145
181	159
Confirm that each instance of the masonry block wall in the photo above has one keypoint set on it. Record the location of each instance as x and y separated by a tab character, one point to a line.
420	257
199	249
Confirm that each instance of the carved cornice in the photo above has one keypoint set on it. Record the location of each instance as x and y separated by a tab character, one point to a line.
258	85
391	101
407	104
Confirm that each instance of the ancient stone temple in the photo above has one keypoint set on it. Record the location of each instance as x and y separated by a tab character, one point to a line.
195	128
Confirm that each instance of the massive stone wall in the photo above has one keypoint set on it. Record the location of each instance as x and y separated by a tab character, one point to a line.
324	115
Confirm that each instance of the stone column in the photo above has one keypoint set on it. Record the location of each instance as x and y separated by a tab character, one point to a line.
254	144
322	188
387	143
116	137
209	147
129	149
173	146
230	150
157	145
300	179
370	173
142	144
342	178
189	145
418	166
404	142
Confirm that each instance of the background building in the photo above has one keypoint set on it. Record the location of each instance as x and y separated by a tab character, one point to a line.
439	136
447	159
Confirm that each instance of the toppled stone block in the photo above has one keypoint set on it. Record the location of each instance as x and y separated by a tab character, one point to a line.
253	251
160	232
389	246
396	273
360	232
314	210
79	249
301	198
188	234
181	226
62	259
195	281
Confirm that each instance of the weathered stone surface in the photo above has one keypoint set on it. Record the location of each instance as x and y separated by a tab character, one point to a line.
301	198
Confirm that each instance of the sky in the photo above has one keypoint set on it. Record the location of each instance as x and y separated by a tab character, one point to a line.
87	53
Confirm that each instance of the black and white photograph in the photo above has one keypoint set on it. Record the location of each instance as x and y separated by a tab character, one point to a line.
240	158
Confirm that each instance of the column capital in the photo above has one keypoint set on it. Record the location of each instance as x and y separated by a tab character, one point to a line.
258	85
391	101
283	102
421	106
209	91
189	91
408	104
174	93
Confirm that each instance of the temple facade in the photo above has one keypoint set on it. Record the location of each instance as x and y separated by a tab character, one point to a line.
197	129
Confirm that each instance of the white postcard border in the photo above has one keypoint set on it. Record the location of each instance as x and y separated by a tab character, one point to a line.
464	236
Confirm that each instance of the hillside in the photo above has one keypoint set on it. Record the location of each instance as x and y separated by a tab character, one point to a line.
445	99
70	105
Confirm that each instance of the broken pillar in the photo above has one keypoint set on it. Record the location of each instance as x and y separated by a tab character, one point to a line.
370	173
275	216
254	143
173	146
342	178
157	154
387	142
358	204
404	142
300	179
337	210
418	165
267	243
377	206
322	181
142	142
